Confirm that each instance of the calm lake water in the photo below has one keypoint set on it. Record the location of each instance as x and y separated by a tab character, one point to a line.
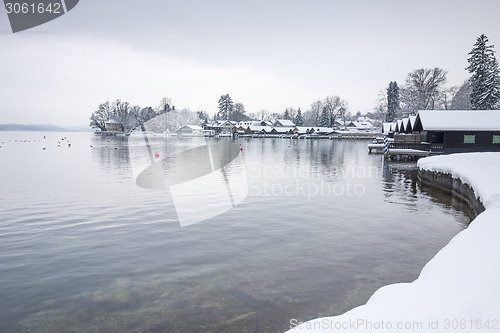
325	224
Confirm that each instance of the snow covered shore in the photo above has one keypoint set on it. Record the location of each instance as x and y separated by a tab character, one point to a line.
459	289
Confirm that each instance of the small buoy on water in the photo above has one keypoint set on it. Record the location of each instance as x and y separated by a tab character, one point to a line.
157	155
43	148
241	148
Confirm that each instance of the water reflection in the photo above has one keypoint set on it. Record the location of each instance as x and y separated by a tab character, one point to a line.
401	185
101	253
111	153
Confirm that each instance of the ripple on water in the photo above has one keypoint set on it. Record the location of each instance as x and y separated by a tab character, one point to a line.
84	249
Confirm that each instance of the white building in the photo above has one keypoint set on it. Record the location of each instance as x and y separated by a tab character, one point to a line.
193	130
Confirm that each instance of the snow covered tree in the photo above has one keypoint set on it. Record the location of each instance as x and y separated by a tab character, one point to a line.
423	90
315	116
99	118
334	107
165	106
485	75
225	107
286	115
299	121
461	97
324	120
292	113
171	121
140	115
263	115
203	116
121	114
238	113
392	102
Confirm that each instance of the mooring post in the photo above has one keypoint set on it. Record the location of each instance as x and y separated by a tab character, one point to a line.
386	146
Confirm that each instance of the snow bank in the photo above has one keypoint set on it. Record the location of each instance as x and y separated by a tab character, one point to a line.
479	170
459	289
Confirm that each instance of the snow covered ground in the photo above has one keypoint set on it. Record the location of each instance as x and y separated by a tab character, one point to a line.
459	289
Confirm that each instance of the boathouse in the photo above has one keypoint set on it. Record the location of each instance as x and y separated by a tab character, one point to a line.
221	127
113	126
388	129
190	130
460	131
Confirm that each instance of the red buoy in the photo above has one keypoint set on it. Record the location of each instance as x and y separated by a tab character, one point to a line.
157	155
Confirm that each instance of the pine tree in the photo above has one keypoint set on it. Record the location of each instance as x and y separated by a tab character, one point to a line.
299	120
324	120
392	102
485	75
225	107
286	115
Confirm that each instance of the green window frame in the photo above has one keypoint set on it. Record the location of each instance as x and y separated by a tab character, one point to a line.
496	139
469	139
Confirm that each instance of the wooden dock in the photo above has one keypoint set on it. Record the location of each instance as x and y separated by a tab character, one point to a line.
408	152
399	153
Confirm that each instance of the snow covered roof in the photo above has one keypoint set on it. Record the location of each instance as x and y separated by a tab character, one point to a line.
251	122
361	124
281	129
364	119
284	123
413	119
399	124
191	127
388	127
322	129
404	124
256	128
470	120
194	127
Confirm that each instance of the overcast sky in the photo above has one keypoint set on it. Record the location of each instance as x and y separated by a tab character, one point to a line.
269	54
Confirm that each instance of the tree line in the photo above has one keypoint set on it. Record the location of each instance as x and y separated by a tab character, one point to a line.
424	88
126	116
323	112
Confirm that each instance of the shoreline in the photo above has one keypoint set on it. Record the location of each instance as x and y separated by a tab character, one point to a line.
458	290
454	186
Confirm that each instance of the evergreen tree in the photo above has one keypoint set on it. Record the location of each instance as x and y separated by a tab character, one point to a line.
225	107
392	102
286	115
485	75
299	121
324	120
